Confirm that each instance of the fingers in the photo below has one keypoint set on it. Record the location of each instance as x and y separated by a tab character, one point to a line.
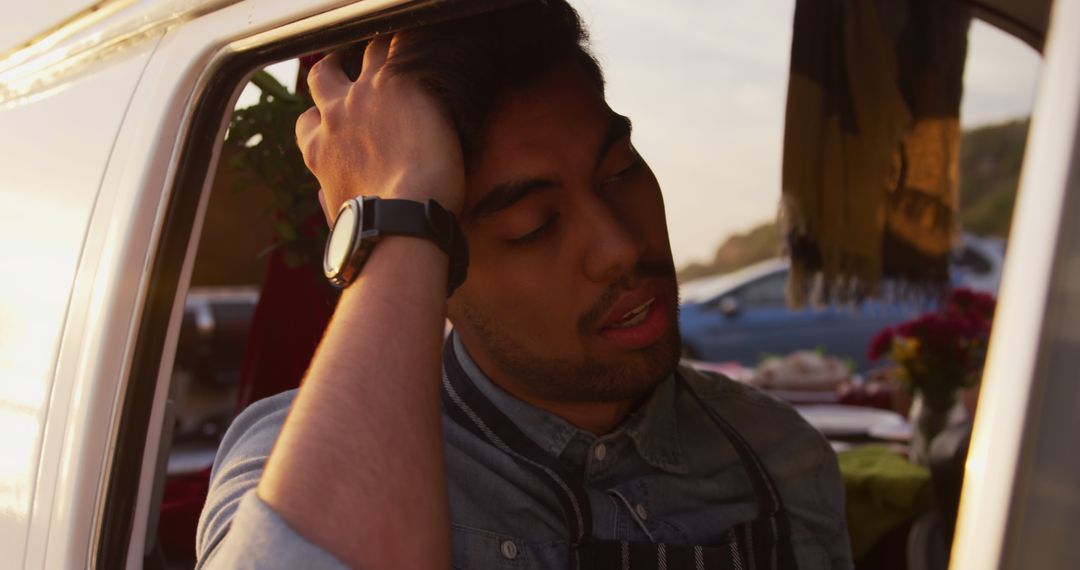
375	55
306	124
327	81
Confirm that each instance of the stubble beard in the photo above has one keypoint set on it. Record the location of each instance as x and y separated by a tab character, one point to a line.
553	378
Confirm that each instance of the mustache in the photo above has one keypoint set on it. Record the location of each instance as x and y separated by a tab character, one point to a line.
664	269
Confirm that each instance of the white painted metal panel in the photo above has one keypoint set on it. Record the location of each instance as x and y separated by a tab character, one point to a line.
996	450
23	21
53	152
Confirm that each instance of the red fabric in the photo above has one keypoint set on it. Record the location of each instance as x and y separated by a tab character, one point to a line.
306	63
182	502
294	308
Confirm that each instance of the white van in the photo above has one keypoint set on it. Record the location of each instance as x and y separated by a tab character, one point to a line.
112	115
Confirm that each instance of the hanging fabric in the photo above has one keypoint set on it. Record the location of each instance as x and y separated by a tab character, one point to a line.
870	175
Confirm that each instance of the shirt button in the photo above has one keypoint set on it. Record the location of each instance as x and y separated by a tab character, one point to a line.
600	452
509	549
641	512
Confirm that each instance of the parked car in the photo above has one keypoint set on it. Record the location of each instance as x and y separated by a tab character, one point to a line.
976	263
743	316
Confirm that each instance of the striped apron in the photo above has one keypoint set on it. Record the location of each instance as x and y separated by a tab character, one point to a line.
761	544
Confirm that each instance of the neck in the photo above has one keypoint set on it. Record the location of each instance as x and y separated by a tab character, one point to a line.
597	418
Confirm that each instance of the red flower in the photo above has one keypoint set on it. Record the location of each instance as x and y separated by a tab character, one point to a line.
880	344
951	341
970	302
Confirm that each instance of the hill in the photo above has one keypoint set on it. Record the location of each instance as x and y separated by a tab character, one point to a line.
990	159
761	242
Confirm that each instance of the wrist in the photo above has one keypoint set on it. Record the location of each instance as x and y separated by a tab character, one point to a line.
447	188
362	223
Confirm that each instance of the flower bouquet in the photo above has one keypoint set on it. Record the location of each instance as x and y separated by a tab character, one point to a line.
938	353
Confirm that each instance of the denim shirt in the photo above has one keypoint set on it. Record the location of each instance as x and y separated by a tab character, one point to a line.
666	474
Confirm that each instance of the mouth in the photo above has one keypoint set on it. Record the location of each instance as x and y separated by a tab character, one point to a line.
634	316
637	320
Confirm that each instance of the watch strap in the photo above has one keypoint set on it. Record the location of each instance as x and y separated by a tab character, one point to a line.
426	220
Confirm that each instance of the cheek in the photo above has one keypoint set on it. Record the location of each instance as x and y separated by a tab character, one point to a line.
527	296
641	209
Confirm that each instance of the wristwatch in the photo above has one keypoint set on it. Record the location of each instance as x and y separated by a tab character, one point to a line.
363	221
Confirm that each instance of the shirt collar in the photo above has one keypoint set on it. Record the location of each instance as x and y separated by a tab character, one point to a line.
652	427
550	432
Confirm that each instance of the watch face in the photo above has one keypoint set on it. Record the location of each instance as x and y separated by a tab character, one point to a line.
340	244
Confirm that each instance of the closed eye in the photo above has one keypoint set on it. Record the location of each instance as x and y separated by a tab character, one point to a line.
629	170
626	171
537	233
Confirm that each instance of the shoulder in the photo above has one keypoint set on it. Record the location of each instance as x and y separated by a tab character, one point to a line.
799	459
737	401
796	455
772	426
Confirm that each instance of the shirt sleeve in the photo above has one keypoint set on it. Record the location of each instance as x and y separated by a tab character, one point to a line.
237	529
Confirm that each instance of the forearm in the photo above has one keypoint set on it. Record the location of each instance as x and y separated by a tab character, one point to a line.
358	468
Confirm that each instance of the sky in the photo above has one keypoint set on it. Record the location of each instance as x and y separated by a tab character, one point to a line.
705	83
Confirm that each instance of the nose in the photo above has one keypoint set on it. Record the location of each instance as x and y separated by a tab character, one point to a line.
611	250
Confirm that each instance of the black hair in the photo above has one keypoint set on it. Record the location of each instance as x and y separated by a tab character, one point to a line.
469	64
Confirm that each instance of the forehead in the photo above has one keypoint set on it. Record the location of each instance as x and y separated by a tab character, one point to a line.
534	129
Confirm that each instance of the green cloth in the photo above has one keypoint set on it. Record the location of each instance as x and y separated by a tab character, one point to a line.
884	490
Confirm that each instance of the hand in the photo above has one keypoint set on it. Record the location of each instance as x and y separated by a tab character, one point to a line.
380	136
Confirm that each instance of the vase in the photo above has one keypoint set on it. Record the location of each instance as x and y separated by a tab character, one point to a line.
928	417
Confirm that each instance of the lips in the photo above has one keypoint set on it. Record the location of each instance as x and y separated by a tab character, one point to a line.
637	319
634	316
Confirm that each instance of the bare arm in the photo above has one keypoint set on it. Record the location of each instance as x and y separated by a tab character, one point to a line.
358	468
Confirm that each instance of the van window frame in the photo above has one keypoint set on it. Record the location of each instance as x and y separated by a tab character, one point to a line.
211	108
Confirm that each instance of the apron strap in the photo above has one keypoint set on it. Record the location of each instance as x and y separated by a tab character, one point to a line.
624	555
768	498
469	408
769	536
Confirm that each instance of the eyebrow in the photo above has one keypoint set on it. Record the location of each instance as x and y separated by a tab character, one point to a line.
504	195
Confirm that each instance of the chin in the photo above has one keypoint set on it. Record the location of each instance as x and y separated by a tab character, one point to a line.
622	376
637	377
626	376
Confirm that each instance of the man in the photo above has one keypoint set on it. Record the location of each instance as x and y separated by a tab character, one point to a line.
567	435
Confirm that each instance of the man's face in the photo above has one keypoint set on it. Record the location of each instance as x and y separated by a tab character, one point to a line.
571	294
